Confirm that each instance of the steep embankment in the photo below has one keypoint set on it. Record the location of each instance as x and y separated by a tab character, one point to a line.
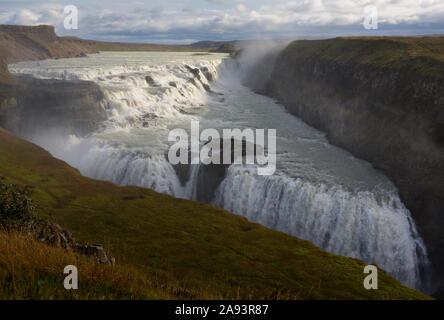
203	251
382	99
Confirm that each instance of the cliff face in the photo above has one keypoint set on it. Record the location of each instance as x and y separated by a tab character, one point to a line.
37	105
383	100
28	105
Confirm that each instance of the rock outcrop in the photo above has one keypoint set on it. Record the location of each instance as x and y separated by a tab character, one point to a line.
383	100
52	234
208	177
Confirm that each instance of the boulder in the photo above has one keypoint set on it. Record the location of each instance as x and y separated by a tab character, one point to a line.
151	81
96	252
206	72
54	235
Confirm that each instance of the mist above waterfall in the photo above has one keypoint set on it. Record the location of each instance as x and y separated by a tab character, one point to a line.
256	61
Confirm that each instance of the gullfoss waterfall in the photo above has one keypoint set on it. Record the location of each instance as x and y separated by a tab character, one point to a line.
319	192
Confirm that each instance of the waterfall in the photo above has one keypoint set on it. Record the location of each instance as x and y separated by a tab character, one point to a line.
377	230
146	99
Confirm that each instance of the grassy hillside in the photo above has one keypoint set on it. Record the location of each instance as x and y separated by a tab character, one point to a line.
32	270
198	250
425	53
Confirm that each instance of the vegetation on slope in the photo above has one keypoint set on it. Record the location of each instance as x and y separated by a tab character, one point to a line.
199	250
425	54
15	205
30	266
32	270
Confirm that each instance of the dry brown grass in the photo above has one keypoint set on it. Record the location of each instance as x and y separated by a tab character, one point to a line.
174	247
32	270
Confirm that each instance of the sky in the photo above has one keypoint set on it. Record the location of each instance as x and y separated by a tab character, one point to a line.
187	21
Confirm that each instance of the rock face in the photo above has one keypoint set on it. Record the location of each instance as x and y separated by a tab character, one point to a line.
197	75
383	100
52	234
209	177
151	81
73	106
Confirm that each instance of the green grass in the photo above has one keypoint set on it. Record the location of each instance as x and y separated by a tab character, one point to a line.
424	55
32	270
194	248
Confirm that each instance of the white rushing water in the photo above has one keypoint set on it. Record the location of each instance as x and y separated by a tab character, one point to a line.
319	192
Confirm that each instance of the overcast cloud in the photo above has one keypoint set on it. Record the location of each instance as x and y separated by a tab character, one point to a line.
182	21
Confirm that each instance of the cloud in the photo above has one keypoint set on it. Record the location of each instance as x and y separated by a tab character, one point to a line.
24	17
178	20
223	1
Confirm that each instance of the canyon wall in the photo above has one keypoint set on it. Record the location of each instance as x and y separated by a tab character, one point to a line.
383	100
36	105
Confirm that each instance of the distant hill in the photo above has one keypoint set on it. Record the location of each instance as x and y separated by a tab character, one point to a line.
212	44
